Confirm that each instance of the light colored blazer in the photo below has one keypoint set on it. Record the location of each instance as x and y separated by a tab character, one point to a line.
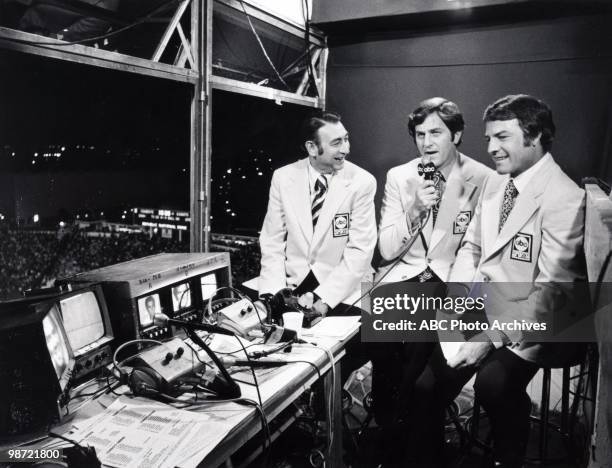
340	249
459	200
540	242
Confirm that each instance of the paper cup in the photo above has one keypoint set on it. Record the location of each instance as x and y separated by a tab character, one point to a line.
293	321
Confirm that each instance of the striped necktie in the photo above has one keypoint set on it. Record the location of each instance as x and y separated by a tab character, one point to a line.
319	198
510	195
440	186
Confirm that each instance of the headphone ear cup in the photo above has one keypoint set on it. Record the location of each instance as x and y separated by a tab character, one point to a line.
144	382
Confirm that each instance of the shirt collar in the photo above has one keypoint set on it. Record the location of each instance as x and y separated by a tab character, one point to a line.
313	175
522	180
448	169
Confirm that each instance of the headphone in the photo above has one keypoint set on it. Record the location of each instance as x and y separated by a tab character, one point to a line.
144	381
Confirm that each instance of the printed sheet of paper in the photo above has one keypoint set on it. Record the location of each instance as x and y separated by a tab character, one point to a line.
139	433
335	327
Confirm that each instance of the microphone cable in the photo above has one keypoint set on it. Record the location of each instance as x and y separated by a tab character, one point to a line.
417	234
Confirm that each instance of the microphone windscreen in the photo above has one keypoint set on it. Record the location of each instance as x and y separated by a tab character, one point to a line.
429	169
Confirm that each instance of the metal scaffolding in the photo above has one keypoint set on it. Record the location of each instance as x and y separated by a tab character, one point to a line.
192	63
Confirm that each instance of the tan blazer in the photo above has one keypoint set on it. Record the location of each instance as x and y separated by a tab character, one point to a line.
459	200
540	242
340	249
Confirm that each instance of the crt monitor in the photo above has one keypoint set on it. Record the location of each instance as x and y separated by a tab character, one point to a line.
57	341
208	285
175	284
181	296
83	319
148	306
36	366
88	327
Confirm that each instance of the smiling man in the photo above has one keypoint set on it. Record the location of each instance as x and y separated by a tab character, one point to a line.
319	232
437	212
527	230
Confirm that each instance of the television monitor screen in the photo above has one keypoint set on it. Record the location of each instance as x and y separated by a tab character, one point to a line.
148	306
208	285
57	344
181	297
83	319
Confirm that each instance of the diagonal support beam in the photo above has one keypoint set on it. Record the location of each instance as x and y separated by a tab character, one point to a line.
303	87
186	46
161	47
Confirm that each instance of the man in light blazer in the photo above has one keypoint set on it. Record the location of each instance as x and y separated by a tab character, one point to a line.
444	213
528	228
436	127
319	232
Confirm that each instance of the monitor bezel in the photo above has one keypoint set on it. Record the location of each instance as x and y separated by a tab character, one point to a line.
108	331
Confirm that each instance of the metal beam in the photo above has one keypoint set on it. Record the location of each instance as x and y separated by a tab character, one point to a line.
186	46
163	43
323	78
207	27
303	87
251	89
20	41
269	18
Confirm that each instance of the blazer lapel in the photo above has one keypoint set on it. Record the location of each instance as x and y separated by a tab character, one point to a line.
337	192
490	217
299	193
525	205
458	191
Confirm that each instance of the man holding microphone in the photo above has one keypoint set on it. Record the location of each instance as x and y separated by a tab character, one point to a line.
427	206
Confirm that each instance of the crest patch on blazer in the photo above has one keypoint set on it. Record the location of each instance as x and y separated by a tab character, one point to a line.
461	222
341	225
521	247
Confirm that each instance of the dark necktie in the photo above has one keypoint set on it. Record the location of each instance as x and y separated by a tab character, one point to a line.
510	195
439	185
319	198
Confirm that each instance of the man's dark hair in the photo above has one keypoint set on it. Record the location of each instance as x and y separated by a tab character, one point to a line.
150	300
447	110
313	123
533	115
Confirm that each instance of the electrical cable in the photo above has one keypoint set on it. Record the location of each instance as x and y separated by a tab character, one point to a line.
399	258
261	46
265	427
241	296
138	22
260	354
117	365
330	405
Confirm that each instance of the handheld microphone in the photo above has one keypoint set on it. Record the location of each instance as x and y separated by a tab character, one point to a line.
426	170
162	320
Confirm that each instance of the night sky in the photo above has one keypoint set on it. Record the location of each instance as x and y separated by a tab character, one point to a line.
125	141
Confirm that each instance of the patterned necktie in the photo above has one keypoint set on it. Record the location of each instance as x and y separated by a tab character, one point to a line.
439	185
510	195
319	198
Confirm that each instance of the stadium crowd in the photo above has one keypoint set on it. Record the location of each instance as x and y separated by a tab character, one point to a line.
34	259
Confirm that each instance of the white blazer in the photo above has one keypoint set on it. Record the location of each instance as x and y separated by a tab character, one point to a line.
459	200
540	242
340	249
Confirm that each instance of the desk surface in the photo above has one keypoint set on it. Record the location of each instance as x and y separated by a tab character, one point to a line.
278	391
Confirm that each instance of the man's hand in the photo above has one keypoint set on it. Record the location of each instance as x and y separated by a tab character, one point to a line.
320	307
471	354
424	198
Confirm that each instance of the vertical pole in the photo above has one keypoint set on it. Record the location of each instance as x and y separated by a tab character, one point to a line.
196	145
323	76
201	33
207	46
